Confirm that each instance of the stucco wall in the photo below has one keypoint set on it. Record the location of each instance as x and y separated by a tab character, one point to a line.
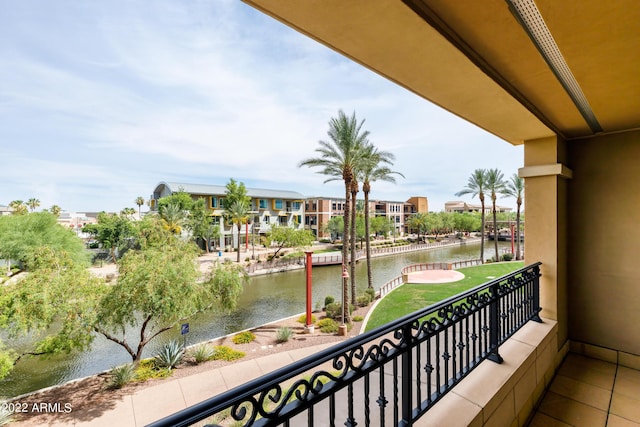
604	238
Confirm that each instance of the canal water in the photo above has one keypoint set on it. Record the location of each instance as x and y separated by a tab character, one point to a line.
265	299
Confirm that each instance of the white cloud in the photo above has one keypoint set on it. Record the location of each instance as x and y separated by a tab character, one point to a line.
107	99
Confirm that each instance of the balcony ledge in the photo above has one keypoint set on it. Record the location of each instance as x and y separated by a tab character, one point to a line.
503	394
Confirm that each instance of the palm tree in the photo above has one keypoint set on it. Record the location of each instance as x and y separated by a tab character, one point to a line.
33	203
374	169
55	210
418	221
476	186
127	211
514	187
18	206
139	202
495	184
340	158
238	212
172	217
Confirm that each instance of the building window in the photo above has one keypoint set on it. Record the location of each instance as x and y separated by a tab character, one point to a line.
214	202
266	218
295	206
277	204
282	220
262	203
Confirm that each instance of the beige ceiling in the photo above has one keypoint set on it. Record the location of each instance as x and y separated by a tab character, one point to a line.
473	58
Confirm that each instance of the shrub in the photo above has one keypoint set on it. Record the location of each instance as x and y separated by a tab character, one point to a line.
357	318
243	337
222	352
371	292
170	355
334	310
506	257
147	370
202	353
303	319
328	326
328	300
283	334
121	376
363	300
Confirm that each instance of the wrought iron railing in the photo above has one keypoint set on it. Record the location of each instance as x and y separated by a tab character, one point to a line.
389	376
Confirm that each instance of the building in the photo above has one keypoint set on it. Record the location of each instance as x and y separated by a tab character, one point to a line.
268	207
462	207
563	80
320	210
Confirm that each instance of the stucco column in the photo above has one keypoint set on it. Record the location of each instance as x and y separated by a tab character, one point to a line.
546	175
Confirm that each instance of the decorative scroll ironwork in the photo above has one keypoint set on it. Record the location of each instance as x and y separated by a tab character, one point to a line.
406	366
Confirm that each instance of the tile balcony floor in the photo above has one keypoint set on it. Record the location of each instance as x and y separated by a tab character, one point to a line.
589	392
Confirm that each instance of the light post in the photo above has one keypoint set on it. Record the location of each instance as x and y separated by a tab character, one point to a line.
342	329
309	328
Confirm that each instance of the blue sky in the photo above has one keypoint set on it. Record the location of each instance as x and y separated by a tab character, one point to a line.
100	101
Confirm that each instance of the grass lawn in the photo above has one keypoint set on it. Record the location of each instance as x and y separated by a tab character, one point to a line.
412	297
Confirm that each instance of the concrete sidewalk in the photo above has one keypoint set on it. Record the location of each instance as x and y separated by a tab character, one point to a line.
171	395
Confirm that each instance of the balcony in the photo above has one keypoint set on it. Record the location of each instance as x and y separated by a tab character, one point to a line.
395	374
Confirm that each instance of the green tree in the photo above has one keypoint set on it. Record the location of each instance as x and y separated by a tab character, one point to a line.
238	214
139	201
380	226
418	222
339	159
200	225
18	206
21	234
374	168
128	212
157	289
236	207
33	204
180	198
335	227
55	210
112	231
52	304
476	187
289	237
495	185
514	187
173	216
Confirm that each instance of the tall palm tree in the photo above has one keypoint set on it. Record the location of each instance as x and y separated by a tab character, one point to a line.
238	212
495	185
352	235
139	202
476	186
374	169
340	158
514	187
33	203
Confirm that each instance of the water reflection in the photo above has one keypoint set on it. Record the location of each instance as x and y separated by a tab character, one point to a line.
265	299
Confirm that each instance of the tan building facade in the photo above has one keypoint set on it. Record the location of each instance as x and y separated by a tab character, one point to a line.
320	210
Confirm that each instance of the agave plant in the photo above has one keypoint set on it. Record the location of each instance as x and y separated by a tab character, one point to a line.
121	375
170	355
202	353
283	334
